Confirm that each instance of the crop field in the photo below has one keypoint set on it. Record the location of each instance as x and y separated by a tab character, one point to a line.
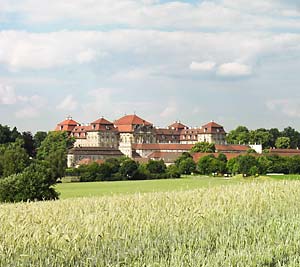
248	224
71	190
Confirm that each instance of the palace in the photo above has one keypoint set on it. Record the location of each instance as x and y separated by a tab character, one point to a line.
134	137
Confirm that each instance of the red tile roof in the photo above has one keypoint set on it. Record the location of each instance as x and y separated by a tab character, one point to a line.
167	157
177	125
212	127
131	120
66	125
284	152
232	148
102	121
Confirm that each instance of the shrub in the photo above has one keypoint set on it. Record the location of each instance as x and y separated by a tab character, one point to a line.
34	183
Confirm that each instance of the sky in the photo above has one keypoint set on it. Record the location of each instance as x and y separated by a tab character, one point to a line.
236	62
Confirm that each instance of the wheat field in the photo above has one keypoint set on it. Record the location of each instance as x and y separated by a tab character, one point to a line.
255	224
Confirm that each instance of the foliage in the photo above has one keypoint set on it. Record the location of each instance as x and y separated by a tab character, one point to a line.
32	184
128	168
238	136
246	163
173	171
203	147
156	166
266	137
187	166
38	138
283	142
54	150
28	145
209	164
14	159
7	135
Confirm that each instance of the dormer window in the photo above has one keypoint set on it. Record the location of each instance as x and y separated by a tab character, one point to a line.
61	127
94	126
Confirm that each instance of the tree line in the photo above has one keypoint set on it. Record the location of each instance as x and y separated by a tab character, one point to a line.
268	138
124	168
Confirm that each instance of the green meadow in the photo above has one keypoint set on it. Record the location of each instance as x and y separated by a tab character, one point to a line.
70	190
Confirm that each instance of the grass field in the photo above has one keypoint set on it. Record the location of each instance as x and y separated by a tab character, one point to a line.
70	190
285	177
246	224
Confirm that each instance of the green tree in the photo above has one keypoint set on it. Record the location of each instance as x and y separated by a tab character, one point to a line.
293	135
238	136
14	159
156	166
7	135
204	165
275	133
128	168
173	171
260	136
32	184
294	164
283	142
54	150
246	162
222	157
187	166
203	147
38	138
28	143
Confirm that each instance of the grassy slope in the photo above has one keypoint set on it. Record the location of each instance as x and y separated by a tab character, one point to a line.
70	190
253	224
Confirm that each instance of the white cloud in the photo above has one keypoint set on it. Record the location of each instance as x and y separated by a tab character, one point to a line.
151	49
234	69
227	14
32	106
7	95
170	110
289	107
202	66
69	103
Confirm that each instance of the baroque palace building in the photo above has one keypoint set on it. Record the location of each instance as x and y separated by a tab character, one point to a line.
134	137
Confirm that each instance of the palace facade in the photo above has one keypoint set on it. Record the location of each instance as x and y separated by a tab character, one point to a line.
134	137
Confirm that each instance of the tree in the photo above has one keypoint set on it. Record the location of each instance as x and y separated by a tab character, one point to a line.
204	165
293	135
238	136
222	157
274	133
14	159
173	171
283	142
28	143
7	135
156	166
265	164
246	162
203	147
38	138
32	184
128	168
232	165
260	136
294	164
54	150
187	166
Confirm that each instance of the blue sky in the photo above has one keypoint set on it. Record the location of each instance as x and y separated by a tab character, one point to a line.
232	61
